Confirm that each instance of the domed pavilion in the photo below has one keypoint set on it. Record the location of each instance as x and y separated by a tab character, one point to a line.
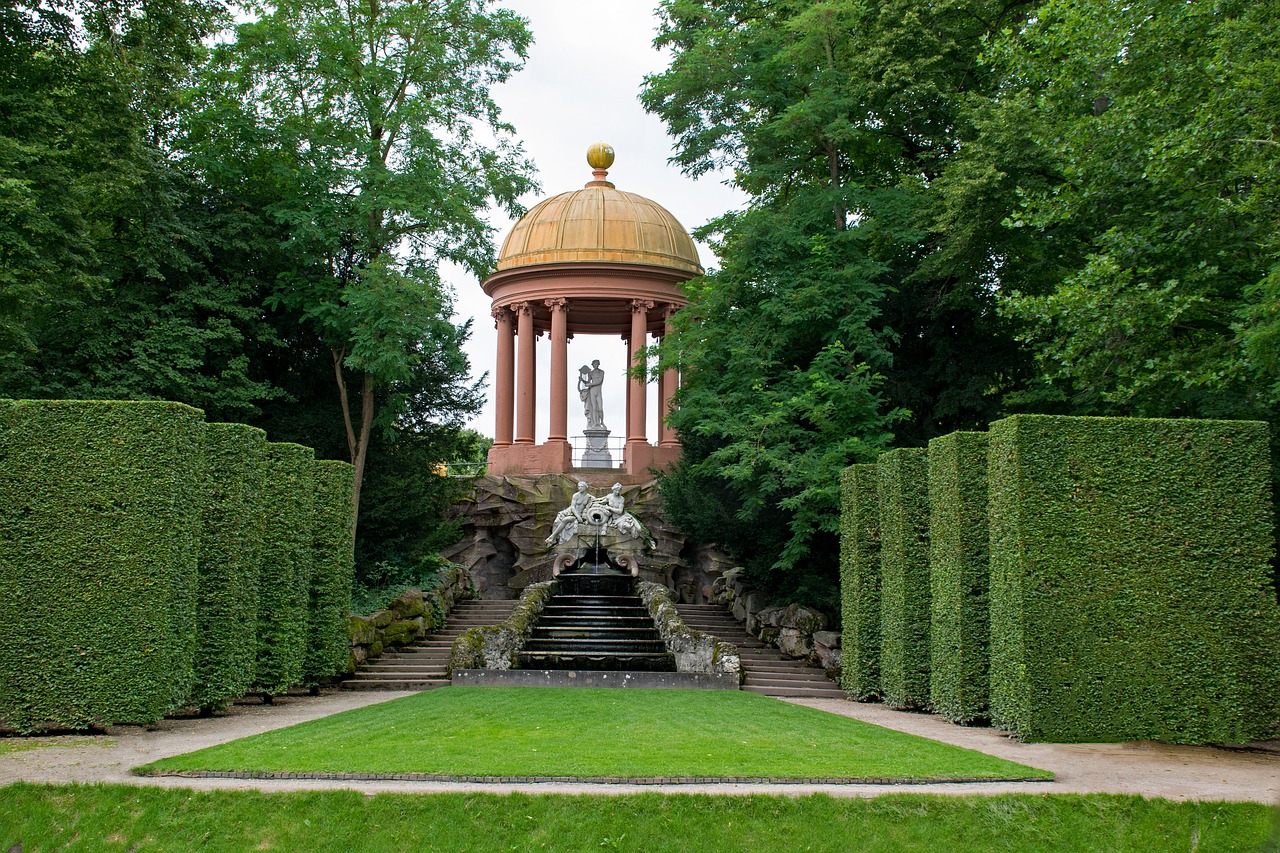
594	261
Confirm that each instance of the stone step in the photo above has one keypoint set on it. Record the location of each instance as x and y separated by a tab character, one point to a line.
798	692
785	668
394	684
589	632
594	646
786	680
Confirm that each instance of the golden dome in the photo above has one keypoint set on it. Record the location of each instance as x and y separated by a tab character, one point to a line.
599	223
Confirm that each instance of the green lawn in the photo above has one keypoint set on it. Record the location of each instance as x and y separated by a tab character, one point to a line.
490	731
121	818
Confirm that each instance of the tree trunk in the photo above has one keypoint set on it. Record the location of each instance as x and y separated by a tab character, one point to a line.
357	443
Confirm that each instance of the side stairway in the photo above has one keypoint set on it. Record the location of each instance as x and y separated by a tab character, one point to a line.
764	669
424	664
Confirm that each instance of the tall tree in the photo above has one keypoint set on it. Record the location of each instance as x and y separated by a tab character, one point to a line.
1159	124
103	233
837	118
384	147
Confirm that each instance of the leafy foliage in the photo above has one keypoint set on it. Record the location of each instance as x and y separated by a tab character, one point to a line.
828	326
1160	129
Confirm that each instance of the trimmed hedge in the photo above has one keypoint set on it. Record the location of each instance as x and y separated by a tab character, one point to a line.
860	582
287	553
1130	589
230	554
99	539
903	487
959	569
329	643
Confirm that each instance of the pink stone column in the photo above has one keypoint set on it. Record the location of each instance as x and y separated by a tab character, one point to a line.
636	408
504	380
668	382
559	370
526	387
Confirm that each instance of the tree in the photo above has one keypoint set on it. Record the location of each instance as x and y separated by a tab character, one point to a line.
1158	123
102	232
829	325
376	128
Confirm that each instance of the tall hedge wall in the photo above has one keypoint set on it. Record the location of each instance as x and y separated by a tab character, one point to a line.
903	486
230	553
860	582
99	538
284	584
329	643
959	569
1130	591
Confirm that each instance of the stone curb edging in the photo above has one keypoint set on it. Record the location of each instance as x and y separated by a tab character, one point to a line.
588	780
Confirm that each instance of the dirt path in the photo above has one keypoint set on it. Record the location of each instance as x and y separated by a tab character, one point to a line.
1154	770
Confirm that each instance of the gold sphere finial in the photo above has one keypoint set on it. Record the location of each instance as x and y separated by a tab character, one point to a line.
600	155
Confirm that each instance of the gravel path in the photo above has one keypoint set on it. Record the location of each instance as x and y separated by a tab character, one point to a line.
1154	770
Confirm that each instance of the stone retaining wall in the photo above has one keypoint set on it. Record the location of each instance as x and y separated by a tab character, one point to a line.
694	651
795	630
408	617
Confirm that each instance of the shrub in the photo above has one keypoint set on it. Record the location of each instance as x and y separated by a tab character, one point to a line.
230	554
99	538
958	570
860	582
287	554
903	487
329	645
1130	591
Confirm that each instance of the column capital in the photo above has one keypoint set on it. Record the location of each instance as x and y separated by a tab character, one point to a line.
669	310
641	306
558	303
499	313
522	308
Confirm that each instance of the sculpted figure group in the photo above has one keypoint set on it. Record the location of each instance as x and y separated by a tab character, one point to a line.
584	508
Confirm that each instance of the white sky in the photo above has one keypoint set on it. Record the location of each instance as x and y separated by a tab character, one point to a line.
581	84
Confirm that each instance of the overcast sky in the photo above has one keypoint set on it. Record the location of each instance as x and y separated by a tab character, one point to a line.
580	85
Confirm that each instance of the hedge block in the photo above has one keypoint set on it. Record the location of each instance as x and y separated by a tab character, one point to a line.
860	582
903	489
99	539
1130	588
284	584
959	567
334	564
230	554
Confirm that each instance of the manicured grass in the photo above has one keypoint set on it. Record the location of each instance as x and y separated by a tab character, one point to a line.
120	818
491	731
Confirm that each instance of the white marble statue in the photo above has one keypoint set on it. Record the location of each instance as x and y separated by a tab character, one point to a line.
615	506
590	380
568	519
587	515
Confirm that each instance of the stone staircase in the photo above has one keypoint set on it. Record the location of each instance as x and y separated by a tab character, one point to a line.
764	669
424	664
596	623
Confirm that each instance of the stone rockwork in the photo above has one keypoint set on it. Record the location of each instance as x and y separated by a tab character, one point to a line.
407	618
497	646
694	651
797	631
505	527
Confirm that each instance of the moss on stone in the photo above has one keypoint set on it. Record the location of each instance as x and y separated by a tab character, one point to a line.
400	633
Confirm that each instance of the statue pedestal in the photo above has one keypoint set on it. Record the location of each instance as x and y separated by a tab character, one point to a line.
597	454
